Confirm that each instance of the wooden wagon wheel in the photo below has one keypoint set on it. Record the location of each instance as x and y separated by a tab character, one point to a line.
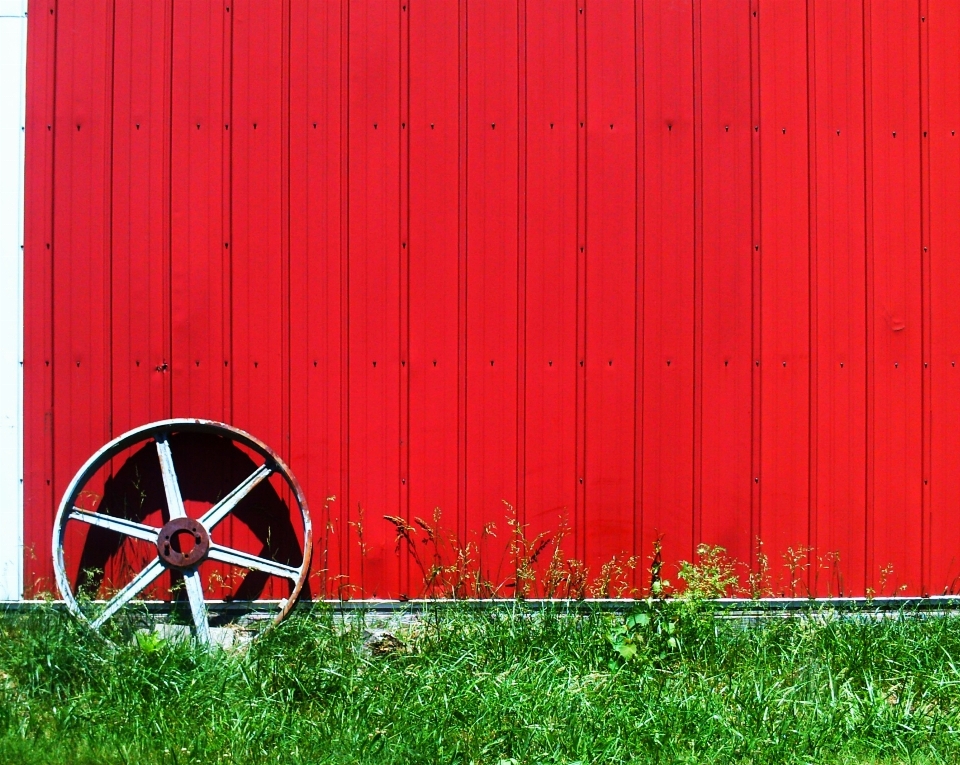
182	543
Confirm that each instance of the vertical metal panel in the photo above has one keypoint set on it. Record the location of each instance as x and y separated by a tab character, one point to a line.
374	293
610	282
840	306
942	21
550	486
893	195
667	313
784	271
491	259
727	253
653	268
317	277
13	38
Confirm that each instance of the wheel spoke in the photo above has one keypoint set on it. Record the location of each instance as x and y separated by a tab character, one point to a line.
223	508
255	562
191	579
170	486
141	580
120	525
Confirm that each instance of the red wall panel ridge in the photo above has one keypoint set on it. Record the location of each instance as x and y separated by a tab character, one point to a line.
523	290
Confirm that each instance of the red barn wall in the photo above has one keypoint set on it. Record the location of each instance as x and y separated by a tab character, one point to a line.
686	269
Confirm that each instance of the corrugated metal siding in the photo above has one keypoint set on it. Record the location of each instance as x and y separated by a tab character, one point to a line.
686	270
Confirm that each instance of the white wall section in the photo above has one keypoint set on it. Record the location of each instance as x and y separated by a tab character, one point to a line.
13	48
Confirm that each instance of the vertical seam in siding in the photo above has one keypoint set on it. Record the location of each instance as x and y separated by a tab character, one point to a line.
344	291
462	352
404	281
520	491
868	278
581	426
925	295
108	223
697	527
812	388
755	255
639	285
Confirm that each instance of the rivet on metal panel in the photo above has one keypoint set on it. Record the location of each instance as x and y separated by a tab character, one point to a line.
404	245
314	125
256	364
493	125
581	362
551	126
611	126
726	362
374	125
48	245
226	363
254	125
923	18
314	363
228	9
78	127
611	362
138	126
726	128
47	363
431	126
926	481
403	481
404	8
49	127
403	125
784	131
896	363
669	127
374	363
78	363
952	363
756	128
757	362
925	364
581	249
581	124
138	363
227	127
581	11
162	367
756	247
491	362
198	126
924	249
894	133
756	479
434	362
403	363
198	362
581	481
924	133
550	363
668	362
838	132
48	480
841	365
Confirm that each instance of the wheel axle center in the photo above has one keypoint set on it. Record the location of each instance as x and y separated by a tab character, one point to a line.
183	543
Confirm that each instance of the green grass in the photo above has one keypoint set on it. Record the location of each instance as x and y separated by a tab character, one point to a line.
498	686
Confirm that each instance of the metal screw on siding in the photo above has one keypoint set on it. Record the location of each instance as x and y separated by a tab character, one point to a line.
841	365
726	362
896	363
756	479
668	362
493	125
838	132
894	133
374	125
431	126
314	363
374	363
784	363
784	131
726	128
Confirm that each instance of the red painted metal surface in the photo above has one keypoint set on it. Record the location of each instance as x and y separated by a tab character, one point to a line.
685	271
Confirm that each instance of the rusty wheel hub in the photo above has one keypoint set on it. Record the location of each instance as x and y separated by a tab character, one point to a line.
183	543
